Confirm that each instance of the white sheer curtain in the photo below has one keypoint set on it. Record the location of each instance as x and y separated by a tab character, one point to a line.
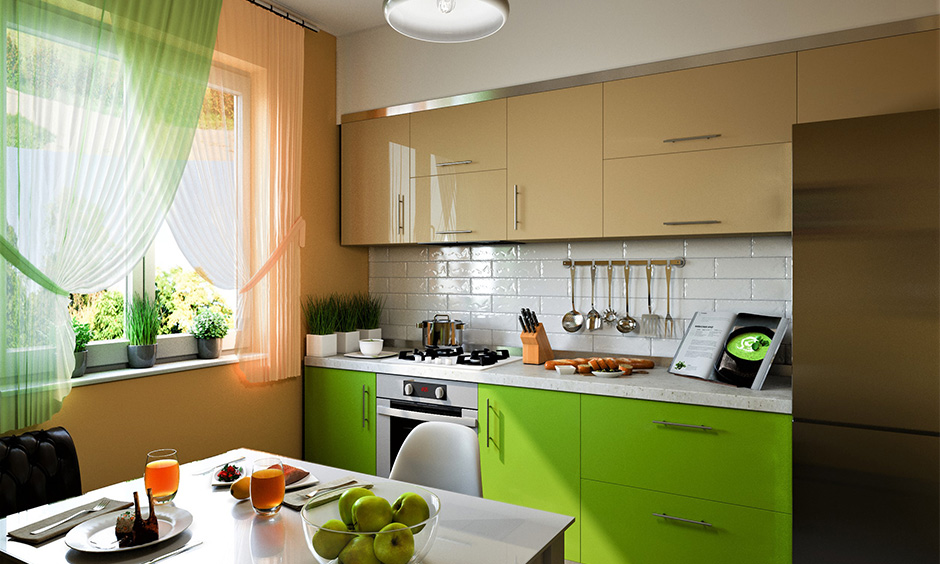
101	101
264	190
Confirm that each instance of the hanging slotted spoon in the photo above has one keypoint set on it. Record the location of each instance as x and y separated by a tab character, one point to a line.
594	318
573	321
649	323
610	316
626	324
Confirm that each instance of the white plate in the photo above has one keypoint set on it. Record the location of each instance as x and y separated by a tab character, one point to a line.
601	374
97	535
383	354
308	480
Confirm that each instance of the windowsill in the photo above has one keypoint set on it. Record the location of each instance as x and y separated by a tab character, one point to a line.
103	377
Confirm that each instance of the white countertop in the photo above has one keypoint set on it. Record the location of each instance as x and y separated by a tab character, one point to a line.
657	385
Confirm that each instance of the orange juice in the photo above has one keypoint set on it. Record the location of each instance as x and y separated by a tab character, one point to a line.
163	477
267	489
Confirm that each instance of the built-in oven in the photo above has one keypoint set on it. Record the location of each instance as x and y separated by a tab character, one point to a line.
402	403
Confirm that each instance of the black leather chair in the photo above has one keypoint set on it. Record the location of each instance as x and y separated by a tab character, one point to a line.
36	468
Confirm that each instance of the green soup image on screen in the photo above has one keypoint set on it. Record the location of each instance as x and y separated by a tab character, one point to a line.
749	346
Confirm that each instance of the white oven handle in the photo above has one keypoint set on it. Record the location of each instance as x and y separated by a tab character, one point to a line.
418	416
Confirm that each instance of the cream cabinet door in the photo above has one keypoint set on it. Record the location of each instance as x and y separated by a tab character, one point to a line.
882	76
376	163
725	191
555	170
459	139
728	105
461	208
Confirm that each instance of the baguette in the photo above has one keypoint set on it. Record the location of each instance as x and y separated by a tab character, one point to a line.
641	362
550	364
626	367
595	364
584	369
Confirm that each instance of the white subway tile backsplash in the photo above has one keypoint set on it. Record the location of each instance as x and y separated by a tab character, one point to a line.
486	286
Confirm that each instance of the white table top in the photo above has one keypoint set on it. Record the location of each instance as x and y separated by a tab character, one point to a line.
470	531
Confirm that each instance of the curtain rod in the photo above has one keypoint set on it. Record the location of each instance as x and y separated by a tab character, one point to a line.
290	16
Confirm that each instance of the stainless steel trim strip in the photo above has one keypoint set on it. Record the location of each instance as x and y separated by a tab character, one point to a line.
670	517
418	416
693	138
866	33
454	163
671	424
455	232
700	222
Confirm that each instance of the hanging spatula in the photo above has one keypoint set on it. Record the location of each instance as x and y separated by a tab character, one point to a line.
650	322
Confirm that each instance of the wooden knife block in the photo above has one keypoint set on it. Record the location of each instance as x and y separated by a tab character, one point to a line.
535	347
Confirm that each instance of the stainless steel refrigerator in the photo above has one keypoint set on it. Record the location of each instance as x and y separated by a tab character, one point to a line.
866	340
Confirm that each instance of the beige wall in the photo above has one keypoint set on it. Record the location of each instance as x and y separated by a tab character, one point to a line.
205	412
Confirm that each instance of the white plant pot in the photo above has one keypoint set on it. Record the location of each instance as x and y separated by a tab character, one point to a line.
347	341
321	345
370	333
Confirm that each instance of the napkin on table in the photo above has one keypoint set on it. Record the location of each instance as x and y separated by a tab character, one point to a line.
22	534
297	499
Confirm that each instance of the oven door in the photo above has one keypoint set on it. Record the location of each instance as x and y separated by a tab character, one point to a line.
396	418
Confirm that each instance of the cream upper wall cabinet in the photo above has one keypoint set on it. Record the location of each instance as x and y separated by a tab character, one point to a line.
555	170
377	201
882	76
459	139
726	191
728	105
461	208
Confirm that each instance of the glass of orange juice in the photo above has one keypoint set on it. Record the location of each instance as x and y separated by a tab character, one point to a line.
162	474
267	485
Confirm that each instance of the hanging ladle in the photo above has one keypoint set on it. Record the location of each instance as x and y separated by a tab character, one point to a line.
626	324
594	317
573	321
610	316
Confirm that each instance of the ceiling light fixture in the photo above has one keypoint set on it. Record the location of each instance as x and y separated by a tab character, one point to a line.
446	21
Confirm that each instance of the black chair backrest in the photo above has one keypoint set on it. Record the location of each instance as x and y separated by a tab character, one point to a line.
36	468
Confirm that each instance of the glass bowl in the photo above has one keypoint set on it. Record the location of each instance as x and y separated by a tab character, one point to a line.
424	533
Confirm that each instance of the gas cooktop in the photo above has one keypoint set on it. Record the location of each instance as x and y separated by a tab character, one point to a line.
455	357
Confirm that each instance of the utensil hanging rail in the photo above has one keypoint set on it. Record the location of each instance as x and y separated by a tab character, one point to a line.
676	262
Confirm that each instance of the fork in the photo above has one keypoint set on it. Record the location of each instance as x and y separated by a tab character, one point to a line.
98	507
323	489
670	324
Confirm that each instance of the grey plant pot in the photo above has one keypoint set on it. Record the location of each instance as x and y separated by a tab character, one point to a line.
81	363
141	356
208	348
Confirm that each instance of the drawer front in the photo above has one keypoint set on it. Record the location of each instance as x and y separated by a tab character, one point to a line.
458	139
743	103
741	457
623	525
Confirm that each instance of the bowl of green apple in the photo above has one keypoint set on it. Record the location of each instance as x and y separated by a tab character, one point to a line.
391	523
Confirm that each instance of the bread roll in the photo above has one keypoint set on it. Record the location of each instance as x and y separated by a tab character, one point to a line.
626	367
584	369
595	364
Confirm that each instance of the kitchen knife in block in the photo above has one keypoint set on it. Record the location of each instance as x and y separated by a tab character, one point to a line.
535	347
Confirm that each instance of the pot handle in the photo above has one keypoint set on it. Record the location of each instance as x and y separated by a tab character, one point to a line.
444	315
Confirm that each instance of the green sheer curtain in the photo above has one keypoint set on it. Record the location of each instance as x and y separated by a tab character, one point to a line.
102	99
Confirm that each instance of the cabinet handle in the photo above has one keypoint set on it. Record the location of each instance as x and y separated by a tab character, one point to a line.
401	214
365	395
694	138
700	222
489	439
671	518
686	425
455	232
515	207
454	163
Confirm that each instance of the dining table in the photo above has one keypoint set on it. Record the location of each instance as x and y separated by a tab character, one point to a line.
471	530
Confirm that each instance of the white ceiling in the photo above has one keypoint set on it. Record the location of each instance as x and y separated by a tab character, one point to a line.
338	17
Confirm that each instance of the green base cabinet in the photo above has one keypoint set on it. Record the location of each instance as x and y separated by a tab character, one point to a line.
339	418
624	525
529	452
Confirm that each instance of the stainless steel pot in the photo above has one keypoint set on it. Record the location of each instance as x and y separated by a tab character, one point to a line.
441	331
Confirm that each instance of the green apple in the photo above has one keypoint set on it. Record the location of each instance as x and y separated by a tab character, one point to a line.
410	509
394	544
347	500
359	551
371	513
329	544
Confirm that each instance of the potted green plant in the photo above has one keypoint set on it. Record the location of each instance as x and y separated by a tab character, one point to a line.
143	324
347	320
209	327
320	317
370	315
82	338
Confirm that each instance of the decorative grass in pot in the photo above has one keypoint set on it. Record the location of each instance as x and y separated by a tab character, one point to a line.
209	327
143	324
82	338
320	317
347	320
370	315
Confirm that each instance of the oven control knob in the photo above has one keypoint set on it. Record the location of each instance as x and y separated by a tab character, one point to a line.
409	390
439	392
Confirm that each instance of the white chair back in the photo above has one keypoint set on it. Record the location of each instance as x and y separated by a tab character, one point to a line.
441	455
